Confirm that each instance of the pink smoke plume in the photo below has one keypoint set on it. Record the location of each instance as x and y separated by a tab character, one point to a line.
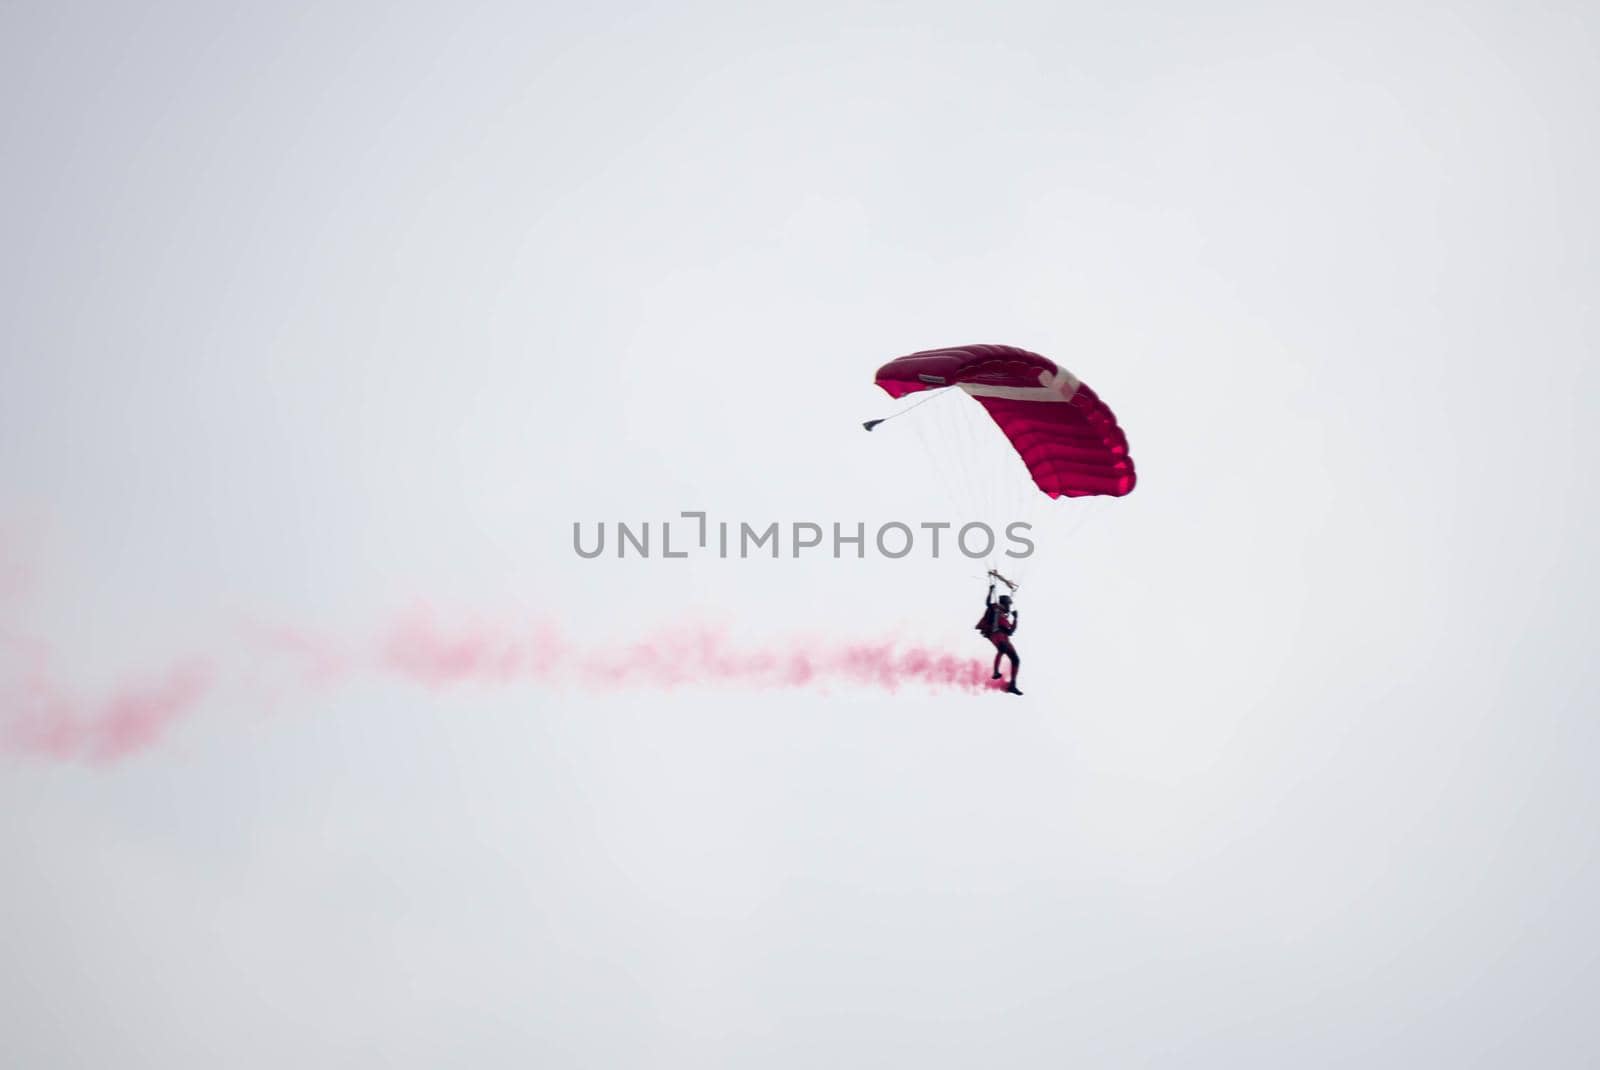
421	650
43	718
40	716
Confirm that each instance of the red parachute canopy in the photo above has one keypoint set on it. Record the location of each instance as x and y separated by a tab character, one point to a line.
1064	433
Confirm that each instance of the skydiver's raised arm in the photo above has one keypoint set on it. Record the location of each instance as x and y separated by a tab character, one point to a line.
990	600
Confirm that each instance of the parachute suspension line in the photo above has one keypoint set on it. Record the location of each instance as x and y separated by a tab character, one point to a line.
933	448
998	489
1000	480
951	437
940	433
982	466
926	397
954	428
971	467
1084	514
954	438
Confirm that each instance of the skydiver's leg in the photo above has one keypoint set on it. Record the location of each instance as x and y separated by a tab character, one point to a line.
999	652
1016	662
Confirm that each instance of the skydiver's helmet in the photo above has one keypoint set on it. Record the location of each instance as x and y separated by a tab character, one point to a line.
1005	600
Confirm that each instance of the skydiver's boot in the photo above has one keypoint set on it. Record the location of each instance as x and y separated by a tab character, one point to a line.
1013	690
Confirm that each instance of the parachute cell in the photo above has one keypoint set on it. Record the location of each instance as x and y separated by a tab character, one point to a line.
1066	436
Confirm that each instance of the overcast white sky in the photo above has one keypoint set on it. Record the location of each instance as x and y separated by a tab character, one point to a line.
315	314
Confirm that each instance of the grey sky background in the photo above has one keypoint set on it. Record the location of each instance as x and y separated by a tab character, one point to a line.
315	314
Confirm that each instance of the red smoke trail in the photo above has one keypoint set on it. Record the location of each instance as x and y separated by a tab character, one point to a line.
420	650
41	716
321	662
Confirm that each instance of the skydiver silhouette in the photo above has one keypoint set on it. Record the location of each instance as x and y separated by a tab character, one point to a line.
998	625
